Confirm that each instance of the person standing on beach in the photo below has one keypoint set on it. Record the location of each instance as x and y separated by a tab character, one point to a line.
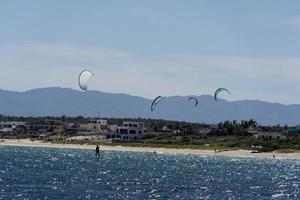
97	151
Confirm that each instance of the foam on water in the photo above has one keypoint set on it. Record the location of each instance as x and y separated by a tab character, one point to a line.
35	173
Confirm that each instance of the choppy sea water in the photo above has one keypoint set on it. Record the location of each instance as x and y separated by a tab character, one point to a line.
45	173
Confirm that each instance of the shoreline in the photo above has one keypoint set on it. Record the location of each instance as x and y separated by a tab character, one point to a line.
231	153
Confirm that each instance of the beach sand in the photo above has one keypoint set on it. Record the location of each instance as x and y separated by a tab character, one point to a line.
236	153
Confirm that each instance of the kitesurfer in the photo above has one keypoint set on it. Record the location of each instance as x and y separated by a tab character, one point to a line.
97	151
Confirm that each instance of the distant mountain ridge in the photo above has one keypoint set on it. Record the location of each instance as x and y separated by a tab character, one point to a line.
64	101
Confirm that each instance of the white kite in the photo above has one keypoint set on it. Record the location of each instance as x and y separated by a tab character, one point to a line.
84	78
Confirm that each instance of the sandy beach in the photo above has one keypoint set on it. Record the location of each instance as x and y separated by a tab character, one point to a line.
236	153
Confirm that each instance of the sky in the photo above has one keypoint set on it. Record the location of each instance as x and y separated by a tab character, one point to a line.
158	47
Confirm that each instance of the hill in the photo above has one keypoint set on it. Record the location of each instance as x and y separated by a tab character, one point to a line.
64	101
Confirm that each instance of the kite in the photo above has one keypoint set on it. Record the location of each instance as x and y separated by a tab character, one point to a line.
84	78
155	102
218	91
194	99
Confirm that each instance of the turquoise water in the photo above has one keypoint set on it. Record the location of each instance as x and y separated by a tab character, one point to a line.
45	173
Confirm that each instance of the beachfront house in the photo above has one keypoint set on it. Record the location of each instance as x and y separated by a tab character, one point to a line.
94	125
128	131
269	136
12	128
42	127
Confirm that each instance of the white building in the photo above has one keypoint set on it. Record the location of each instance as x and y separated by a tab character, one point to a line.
8	127
96	125
252	130
269	136
128	131
204	130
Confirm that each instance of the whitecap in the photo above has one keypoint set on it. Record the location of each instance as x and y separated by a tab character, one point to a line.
275	196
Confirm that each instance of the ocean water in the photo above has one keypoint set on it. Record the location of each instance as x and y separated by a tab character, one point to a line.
46	173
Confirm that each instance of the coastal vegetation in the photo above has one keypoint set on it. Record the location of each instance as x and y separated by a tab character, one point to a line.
227	135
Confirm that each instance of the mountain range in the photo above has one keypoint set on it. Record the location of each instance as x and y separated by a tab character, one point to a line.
56	101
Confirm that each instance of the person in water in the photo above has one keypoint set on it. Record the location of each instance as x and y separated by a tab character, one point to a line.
97	150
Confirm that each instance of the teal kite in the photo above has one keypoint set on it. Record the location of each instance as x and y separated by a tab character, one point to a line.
194	99
155	102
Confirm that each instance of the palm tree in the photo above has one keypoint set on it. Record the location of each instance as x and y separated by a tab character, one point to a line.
252	123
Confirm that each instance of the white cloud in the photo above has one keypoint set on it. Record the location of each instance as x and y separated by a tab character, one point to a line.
68	52
40	65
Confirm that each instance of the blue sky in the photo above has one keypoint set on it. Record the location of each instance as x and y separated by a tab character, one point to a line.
158	47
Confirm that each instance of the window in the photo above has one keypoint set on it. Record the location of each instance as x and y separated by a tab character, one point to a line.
130	125
123	131
135	125
132	132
